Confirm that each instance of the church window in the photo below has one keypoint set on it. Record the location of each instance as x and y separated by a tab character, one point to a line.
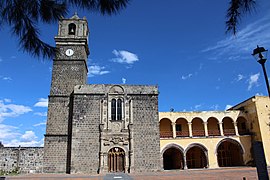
113	109
71	29
119	109
116	109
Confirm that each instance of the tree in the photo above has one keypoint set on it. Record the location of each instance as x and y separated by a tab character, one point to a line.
23	17
236	10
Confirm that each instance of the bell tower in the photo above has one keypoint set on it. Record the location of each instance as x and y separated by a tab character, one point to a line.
69	70
70	63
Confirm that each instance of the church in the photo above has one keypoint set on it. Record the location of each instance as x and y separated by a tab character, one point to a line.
95	128
103	128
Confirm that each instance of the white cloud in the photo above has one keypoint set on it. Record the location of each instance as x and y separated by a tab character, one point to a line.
40	124
197	107
12	110
7	100
228	106
124	81
215	107
244	42
124	57
17	143
95	70
240	77
253	80
7	78
42	102
8	132
10	137
28	136
259	94
187	76
41	114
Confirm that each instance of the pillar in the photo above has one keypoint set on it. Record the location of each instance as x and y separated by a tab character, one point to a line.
205	128
190	129
236	128
173	129
221	128
185	162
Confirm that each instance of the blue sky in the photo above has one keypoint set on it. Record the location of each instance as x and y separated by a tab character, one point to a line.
181	46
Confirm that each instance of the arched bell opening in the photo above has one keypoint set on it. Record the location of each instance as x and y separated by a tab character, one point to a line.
71	29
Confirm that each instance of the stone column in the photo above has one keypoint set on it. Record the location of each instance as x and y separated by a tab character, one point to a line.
185	162
236	128
173	129
105	162
190	129
101	162
221	128
205	128
131	155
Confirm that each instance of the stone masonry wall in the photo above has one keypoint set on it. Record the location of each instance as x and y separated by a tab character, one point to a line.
56	138
85	134
67	74
55	154
23	159
146	133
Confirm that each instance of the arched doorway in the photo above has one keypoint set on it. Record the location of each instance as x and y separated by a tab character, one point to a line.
229	153
196	157
116	160
173	159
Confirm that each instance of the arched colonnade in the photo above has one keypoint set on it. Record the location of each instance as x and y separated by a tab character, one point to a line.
199	127
229	153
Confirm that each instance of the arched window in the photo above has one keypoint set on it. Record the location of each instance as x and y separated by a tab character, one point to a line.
71	29
116	109
113	109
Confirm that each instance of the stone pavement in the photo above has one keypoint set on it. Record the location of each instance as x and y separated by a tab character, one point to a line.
237	173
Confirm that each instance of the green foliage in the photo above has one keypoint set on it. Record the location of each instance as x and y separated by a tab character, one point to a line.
236	10
23	17
13	172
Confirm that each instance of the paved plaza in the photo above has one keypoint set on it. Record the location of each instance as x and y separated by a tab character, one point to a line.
238	173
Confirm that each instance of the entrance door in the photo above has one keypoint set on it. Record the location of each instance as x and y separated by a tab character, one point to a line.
116	160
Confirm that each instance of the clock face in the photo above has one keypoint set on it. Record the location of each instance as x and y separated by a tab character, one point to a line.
69	52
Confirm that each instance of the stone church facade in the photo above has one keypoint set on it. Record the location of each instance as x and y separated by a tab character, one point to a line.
101	128
96	128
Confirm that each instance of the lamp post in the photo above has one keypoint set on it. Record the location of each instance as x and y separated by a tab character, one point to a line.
260	55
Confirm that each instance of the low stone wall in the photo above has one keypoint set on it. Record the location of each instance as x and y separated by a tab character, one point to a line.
21	159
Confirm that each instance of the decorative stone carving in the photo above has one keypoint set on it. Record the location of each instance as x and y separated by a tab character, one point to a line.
116	127
117	140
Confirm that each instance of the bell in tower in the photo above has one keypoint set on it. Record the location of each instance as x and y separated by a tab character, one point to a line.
71	29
